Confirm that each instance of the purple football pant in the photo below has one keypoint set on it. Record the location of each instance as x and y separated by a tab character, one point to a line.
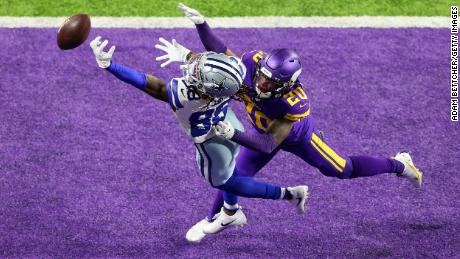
317	153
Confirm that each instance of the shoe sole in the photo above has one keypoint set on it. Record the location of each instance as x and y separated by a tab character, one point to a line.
236	225
303	201
418	174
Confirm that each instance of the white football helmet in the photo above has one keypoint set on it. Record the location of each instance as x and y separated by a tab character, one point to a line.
215	74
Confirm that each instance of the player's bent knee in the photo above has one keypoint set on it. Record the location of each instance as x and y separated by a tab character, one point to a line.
225	185
335	173
341	173
220	177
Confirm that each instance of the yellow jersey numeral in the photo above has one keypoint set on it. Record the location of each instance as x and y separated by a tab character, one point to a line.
257	57
258	117
296	95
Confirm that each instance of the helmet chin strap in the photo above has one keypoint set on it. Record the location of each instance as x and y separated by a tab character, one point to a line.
277	93
262	95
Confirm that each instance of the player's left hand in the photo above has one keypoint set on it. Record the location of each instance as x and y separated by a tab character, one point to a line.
192	14
224	129
102	58
174	52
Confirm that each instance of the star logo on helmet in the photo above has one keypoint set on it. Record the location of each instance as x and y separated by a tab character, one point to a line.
220	87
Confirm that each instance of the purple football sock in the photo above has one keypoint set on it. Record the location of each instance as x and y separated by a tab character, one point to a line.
368	166
230	201
216	205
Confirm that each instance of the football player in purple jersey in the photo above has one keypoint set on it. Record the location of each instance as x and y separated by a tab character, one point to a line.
279	111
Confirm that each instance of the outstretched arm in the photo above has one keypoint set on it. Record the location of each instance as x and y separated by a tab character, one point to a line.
156	88
210	41
277	132
145	82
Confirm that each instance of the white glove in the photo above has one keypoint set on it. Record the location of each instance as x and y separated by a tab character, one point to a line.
224	129
192	14
174	52
102	58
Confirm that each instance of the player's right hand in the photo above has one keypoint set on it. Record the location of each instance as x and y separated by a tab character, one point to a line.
192	14
224	129
174	52
102	58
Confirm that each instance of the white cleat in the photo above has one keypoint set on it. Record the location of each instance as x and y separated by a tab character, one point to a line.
224	221
412	173
299	197
195	234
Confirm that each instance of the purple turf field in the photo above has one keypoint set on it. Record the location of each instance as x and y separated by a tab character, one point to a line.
92	167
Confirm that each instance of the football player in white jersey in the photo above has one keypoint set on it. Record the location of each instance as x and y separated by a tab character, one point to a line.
199	100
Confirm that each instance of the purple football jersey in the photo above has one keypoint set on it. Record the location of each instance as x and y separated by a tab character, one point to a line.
294	105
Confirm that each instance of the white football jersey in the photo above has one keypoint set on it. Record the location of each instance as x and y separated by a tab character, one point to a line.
195	114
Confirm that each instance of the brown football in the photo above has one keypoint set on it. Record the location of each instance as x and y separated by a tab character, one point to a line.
74	31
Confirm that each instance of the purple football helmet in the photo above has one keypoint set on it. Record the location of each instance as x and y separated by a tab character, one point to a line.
276	73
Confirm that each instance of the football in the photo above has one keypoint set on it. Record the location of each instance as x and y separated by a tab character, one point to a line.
74	31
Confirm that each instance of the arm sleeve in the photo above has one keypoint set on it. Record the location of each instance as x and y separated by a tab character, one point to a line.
128	75
209	40
260	142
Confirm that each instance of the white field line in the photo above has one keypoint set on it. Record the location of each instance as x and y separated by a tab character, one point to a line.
240	22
